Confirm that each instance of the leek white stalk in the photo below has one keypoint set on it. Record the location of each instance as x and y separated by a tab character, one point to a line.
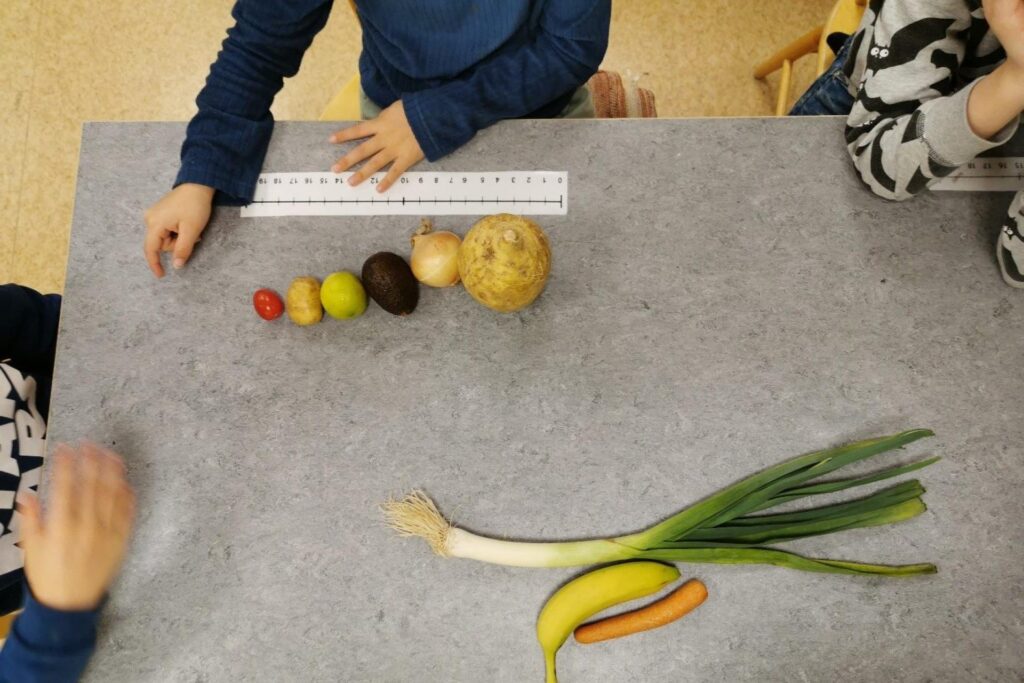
416	515
719	529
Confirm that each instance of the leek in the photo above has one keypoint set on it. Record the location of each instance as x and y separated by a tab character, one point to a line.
721	529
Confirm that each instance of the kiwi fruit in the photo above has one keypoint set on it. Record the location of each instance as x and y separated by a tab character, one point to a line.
389	281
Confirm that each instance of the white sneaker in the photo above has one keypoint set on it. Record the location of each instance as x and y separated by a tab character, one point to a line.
1010	254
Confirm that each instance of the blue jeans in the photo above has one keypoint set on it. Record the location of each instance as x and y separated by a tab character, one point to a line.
830	94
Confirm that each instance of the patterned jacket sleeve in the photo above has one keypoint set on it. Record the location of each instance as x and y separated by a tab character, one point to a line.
908	125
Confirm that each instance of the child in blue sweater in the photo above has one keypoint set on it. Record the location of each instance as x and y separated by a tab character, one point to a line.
437	72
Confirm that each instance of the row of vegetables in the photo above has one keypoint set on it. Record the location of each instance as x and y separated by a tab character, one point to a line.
503	263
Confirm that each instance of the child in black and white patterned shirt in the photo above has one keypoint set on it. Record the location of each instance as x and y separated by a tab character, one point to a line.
934	83
28	340
56	566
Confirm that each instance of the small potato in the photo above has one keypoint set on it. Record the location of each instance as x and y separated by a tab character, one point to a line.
303	301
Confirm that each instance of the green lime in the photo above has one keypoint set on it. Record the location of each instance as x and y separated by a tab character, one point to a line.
343	296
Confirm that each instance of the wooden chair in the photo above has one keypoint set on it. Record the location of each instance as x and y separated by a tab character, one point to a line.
844	18
344	106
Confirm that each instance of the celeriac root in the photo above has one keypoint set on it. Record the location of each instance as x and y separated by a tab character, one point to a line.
416	515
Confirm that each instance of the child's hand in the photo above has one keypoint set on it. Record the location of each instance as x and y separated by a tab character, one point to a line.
391	140
175	223
73	555
1006	18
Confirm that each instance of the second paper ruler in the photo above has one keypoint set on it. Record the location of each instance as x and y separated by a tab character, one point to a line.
985	174
415	193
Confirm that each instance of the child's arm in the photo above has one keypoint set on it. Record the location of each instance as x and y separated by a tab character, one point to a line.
47	644
999	98
912	122
227	139
71	557
570	42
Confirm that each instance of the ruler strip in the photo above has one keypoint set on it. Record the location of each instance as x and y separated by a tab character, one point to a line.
415	193
985	174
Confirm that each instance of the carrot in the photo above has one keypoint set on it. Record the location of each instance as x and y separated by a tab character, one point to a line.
676	604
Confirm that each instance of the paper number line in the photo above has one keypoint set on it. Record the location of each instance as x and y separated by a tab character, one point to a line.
437	192
410	201
985	174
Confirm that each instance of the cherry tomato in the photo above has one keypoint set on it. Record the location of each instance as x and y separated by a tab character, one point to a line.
268	304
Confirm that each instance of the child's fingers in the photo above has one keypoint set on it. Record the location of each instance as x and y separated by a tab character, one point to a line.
394	173
111	465
112	506
377	162
31	517
123	516
188	235
90	482
151	248
62	481
111	483
363	151
360	130
168	244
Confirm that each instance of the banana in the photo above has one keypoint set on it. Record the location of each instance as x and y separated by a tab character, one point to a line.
586	595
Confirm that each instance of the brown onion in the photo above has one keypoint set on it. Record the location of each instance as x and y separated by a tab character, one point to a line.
435	256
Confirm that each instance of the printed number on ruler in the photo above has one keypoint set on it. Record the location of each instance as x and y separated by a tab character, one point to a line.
415	193
985	174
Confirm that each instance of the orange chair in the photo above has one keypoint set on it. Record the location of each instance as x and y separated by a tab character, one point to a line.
5	624
616	97
844	18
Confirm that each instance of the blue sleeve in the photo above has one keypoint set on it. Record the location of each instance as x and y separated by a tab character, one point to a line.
227	139
47	645
569	43
28	335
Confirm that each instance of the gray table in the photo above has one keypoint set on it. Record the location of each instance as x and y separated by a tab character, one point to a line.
725	294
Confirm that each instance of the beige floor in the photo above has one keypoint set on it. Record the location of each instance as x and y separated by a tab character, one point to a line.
67	61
